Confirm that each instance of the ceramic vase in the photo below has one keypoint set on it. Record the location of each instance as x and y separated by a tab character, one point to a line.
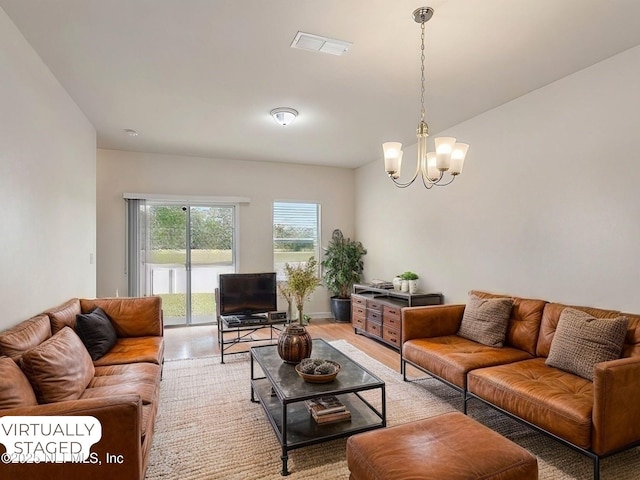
404	286
397	283
413	286
294	344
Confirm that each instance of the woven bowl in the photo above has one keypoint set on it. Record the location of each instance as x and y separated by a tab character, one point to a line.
311	378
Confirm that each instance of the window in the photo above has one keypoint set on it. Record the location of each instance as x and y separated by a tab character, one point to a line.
176	251
296	234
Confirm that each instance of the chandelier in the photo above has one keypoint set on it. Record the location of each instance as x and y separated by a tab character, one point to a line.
432	166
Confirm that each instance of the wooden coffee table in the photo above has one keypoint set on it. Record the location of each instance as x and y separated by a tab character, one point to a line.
282	393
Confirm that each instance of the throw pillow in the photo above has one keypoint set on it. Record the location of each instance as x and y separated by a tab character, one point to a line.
96	332
581	341
59	369
15	389
485	320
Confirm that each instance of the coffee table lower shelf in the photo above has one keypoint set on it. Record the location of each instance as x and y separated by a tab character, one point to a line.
299	429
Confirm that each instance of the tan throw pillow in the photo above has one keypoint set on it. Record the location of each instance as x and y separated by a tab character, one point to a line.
485	320
59	369
581	341
15	389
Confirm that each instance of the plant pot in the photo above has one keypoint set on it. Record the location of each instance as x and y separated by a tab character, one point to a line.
397	283
404	286
341	309
413	286
294	344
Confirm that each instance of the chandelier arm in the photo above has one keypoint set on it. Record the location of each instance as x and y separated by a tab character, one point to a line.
438	184
427	181
406	184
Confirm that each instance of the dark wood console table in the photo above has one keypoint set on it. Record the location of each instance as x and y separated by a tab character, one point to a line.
376	312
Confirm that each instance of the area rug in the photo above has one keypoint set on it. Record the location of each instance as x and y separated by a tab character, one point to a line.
207	428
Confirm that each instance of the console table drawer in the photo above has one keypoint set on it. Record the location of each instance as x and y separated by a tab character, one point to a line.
357	310
392	316
374	305
391	335
358	321
357	300
374	328
374	316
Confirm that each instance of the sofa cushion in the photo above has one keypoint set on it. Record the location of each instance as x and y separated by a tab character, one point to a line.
485	320
134	350
557	401
452	357
15	389
24	336
131	317
142	372
550	318
96	332
631	346
524	324
582	340
59	369
64	315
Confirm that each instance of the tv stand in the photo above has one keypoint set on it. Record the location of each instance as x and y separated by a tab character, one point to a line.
234	334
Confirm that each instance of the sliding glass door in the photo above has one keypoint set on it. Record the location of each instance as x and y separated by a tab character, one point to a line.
187	247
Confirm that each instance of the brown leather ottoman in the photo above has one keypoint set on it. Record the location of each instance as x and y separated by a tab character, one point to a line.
451	446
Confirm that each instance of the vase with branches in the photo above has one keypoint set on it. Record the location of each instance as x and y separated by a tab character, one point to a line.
294	343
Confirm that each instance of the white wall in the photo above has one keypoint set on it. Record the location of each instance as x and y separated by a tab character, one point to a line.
262	182
548	205
47	186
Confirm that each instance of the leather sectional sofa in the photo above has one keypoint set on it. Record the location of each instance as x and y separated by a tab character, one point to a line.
598	416
46	370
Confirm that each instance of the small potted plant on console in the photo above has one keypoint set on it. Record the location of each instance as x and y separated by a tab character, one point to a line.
409	282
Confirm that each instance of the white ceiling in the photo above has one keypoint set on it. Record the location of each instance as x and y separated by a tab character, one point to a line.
199	77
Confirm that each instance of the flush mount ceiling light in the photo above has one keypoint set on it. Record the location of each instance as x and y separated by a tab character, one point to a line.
284	115
316	43
449	155
131	132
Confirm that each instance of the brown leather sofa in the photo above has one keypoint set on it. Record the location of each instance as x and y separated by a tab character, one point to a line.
598	418
120	389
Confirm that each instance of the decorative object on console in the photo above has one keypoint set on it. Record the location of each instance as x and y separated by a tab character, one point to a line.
317	370
343	266
409	282
294	342
449	155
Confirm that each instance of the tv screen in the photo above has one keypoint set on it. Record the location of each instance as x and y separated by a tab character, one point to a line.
247	293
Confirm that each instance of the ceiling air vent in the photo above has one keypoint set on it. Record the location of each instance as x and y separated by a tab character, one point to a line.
316	43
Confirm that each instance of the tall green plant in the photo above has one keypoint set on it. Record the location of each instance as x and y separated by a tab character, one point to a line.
343	264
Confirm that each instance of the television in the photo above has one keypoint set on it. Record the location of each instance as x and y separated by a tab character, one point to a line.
246	294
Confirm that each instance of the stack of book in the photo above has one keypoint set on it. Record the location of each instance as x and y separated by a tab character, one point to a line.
327	409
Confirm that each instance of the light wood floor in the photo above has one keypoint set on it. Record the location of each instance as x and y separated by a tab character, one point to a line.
198	341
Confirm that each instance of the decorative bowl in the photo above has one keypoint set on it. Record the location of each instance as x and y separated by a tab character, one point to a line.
319	378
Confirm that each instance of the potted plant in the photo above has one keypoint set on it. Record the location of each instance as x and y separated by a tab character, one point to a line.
343	267
294	342
410	282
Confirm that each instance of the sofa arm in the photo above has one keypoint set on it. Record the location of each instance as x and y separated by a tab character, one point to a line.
616	404
131	316
118	454
430	321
